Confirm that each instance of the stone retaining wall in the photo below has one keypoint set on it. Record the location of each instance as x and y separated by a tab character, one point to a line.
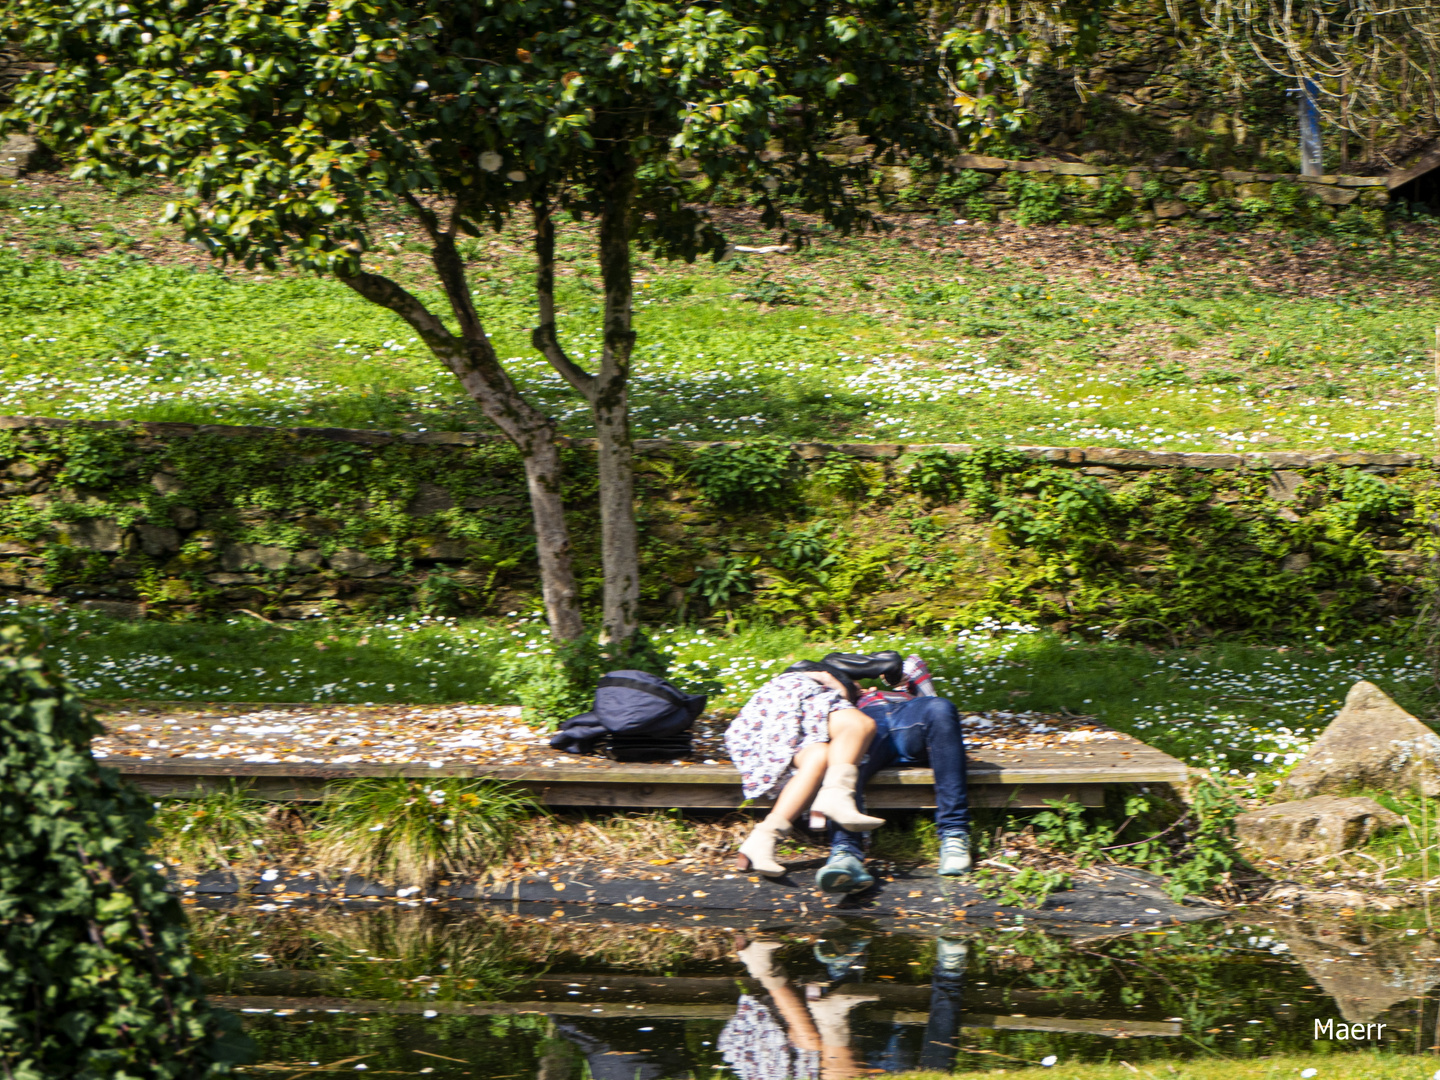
146	521
1151	194
1119	458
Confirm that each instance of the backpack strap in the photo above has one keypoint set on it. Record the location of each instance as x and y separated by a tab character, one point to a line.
662	691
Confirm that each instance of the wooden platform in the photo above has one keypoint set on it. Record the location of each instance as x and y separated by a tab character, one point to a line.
1019	778
1118	1028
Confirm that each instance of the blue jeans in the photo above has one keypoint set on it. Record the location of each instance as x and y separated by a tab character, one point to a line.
920	732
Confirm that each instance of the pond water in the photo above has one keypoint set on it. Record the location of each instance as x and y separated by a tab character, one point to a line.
508	995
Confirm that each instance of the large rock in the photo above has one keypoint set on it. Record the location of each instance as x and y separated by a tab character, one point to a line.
240	556
357	564
97	534
1324	825
20	154
1372	743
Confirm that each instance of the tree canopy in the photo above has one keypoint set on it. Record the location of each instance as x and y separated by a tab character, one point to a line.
283	121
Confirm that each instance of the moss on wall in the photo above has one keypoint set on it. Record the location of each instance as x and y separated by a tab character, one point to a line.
177	521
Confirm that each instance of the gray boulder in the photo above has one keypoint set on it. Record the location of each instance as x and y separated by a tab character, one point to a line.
1324	825
354	563
97	534
242	556
1372	743
21	154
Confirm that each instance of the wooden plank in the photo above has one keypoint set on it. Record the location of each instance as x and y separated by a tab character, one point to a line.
635	1009
1019	778
1428	162
685	796
1143	765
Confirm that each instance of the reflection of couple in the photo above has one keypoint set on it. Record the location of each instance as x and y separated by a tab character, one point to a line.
810	736
812	1039
781	1036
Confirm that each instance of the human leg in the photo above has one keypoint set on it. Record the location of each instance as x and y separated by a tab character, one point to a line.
832	1023
882	754
947	995
926	731
844	871
945	750
758	851
759	960
850	734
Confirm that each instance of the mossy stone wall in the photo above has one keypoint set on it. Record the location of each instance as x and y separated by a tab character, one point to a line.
179	520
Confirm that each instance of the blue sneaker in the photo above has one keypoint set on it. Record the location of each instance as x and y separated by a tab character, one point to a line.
950	956
840	964
954	854
844	873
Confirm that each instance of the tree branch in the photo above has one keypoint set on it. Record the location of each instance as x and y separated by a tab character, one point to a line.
545	337
381	290
473	363
451	270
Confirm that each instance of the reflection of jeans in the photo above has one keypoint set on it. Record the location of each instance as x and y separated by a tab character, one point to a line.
947	994
895	1050
922	731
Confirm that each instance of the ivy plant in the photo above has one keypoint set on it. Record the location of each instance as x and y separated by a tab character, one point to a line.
96	979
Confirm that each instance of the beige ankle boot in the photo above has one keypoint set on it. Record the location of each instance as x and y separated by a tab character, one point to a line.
836	801
759	960
758	851
832	1016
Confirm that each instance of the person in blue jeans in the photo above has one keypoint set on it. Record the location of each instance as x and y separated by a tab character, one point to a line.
923	731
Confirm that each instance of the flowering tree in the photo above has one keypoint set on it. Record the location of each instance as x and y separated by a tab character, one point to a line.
286	124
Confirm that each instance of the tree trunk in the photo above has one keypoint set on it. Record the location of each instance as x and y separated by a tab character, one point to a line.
606	392
619	535
473	361
552	540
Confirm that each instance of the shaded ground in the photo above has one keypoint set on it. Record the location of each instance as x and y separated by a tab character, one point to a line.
1119	899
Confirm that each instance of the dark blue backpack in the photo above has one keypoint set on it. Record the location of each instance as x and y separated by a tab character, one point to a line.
644	718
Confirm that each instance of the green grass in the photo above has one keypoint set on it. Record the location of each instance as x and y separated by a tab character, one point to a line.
1341	1065
212	829
1185	339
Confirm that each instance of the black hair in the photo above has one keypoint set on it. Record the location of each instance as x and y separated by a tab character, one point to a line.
852	691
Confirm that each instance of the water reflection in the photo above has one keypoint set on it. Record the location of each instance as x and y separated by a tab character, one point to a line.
492	994
805	1033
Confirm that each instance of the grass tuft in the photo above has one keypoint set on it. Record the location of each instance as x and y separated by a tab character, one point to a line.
211	829
410	830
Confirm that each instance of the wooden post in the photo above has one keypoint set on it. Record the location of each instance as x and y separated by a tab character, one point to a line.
1344	124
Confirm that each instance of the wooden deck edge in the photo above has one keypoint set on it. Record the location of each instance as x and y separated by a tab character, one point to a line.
1155	767
1078	1025
651	796
685	786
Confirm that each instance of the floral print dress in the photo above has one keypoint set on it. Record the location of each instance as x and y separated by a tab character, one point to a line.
757	1048
787	714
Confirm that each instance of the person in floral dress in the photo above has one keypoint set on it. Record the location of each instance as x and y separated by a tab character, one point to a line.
800	734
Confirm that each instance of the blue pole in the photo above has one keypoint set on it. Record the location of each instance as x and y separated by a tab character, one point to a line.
1312	160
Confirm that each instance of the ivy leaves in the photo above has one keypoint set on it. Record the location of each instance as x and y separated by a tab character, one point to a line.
97	979
1174	554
